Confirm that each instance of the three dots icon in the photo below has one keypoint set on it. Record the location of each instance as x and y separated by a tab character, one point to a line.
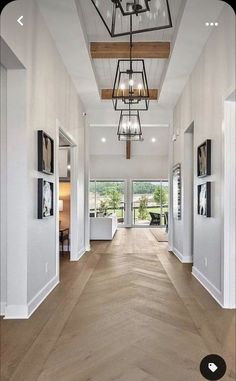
211	23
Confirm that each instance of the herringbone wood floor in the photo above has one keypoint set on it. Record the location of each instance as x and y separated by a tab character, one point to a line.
129	311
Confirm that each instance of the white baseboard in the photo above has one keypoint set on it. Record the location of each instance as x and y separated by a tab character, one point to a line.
181	257
2	308
80	253
16	311
42	294
215	293
25	311
170	247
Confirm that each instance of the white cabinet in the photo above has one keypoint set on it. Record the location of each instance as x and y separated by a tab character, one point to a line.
103	228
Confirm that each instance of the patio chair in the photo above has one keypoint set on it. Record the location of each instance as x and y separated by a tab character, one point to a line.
155	218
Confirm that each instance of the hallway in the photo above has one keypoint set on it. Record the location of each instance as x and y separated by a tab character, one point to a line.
128	311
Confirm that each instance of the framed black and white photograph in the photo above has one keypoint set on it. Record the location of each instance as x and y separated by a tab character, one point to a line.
204	159
45	153
45	199
177	192
204	199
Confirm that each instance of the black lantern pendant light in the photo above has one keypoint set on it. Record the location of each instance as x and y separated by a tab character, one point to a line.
129	127
130	85
134	7
148	15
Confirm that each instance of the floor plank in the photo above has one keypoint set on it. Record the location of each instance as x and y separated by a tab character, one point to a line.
125	312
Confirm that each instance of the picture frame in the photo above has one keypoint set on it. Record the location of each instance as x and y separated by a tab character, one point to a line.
45	199
177	192
204	199
204	159
45	153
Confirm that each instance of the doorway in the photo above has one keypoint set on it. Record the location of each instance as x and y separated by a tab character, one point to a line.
228	200
188	207
66	148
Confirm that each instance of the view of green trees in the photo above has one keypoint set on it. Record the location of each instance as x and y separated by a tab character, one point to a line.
102	187
113	196
138	187
148	197
111	199
160	195
142	210
143	188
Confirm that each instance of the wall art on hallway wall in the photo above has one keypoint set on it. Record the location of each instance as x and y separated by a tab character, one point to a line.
45	199
204	159
177	192
45	153
204	199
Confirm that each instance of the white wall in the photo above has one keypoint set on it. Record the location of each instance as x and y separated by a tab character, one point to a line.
3	180
202	102
139	167
50	96
148	160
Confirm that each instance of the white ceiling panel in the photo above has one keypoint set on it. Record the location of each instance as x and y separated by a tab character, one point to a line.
106	69
96	30
73	28
111	146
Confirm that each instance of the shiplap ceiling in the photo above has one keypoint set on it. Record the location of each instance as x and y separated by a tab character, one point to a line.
96	31
75	23
105	69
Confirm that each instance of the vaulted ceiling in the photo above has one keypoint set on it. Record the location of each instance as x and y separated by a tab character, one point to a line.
75	24
105	68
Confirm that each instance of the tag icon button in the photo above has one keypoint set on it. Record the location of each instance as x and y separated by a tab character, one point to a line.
212	367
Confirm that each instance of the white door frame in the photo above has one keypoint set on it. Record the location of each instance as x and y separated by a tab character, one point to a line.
228	201
188	200
3	191
73	196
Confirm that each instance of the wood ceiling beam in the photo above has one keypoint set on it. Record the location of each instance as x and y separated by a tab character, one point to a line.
128	150
160	49
106	94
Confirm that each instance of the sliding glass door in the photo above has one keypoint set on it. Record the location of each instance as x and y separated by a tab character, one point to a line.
106	198
147	201
150	203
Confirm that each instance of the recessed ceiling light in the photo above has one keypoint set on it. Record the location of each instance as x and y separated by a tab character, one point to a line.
207	24
103	140
153	140
216	23
211	24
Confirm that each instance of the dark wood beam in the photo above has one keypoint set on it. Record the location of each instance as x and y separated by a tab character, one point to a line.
106	94
128	150
160	49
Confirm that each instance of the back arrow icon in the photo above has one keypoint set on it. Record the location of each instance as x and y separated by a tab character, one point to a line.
19	20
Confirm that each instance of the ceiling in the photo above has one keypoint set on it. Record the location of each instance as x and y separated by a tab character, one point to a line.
96	31
73	24
105	69
111	146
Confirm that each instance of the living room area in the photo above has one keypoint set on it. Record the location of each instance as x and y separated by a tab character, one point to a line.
128	193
